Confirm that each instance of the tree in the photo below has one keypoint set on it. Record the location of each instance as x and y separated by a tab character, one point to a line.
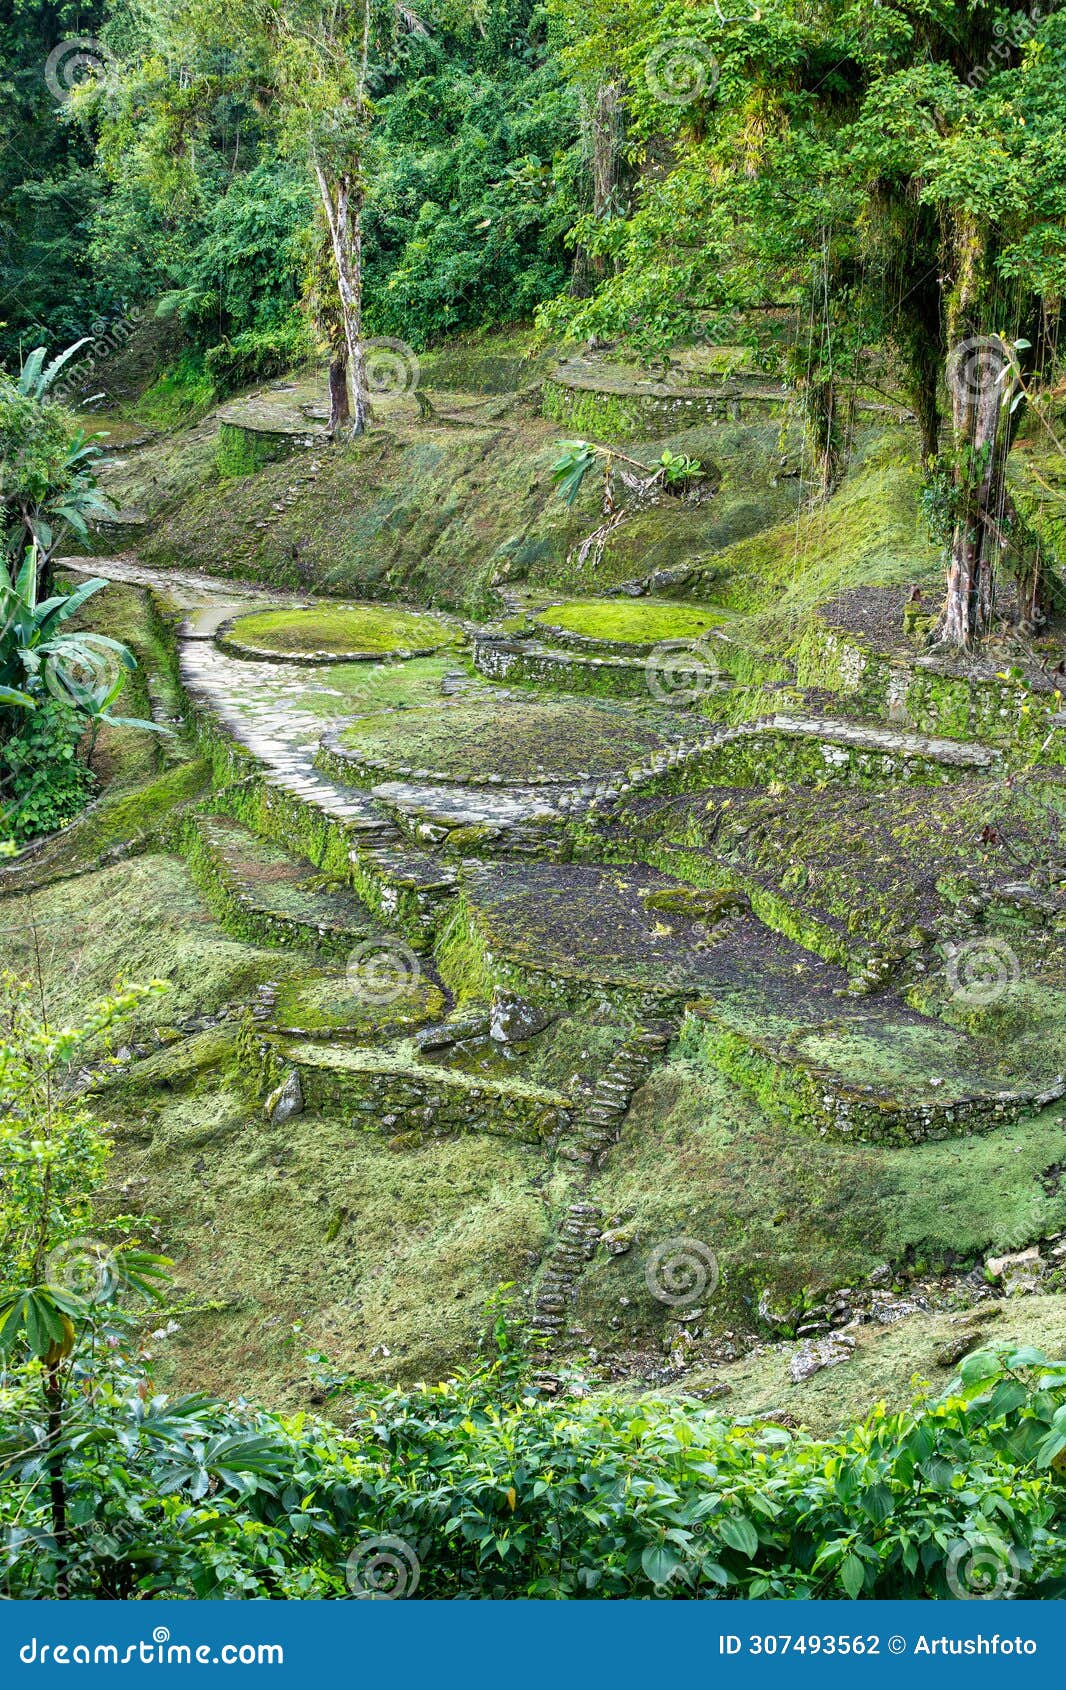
894	173
304	68
54	1285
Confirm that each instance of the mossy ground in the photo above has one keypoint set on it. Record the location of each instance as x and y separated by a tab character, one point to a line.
891	1364
632	621
328	1003
867	868
137	921
338	629
515	740
312	1236
698	1160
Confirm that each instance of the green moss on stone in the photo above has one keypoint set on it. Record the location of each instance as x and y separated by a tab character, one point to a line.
339	630
624	621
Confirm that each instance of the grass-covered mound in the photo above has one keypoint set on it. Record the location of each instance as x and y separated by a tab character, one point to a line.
696	1159
624	621
332	632
329	1004
504	740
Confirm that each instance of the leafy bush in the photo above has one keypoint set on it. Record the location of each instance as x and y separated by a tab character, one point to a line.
54	681
496	1492
47	463
44	784
255	354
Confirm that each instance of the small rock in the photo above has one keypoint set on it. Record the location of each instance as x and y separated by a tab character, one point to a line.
513	1019
286	1100
617	1243
949	1354
811	1357
780	1320
1022	1271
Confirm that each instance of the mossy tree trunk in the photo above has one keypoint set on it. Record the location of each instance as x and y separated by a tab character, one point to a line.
340	410
980	428
323	304
603	122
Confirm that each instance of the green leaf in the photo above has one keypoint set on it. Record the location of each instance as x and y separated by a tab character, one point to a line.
852	1575
571	467
877	1503
739	1533
31	370
660	1562
980	1365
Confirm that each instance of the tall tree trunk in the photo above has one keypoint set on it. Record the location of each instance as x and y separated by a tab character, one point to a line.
977	479
339	409
604	124
607	133
981	435
826	431
343	205
57	1489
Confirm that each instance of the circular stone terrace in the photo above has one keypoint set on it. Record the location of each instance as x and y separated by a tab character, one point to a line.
497	741
342	633
630	627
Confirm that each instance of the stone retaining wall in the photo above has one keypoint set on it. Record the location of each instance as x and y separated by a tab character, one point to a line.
404	1104
528	663
820	1102
618	413
922	695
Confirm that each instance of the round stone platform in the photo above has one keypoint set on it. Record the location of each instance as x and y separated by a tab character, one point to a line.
625	627
495	742
341	633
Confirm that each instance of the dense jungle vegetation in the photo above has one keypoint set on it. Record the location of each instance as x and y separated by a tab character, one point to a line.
532	871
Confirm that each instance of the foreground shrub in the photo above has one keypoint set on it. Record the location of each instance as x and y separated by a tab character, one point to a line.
494	1491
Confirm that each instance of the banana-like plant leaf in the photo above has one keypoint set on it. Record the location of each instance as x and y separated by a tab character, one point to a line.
31	370
60	609
12	699
57	363
136	722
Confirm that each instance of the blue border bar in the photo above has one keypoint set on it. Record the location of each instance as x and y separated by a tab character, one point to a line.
531	1645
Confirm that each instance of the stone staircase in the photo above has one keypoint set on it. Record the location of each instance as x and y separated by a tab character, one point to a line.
573	1249
584	1144
598	1124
